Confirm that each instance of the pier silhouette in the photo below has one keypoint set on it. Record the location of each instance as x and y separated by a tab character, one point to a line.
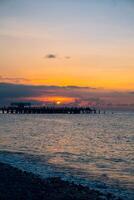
26	108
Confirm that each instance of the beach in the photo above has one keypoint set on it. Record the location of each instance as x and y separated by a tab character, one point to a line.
16	184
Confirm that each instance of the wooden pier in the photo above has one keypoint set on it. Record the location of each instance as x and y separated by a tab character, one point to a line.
47	110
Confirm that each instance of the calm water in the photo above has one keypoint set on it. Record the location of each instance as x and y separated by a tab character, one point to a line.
96	150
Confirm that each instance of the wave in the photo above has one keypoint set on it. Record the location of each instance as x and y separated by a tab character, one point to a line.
41	166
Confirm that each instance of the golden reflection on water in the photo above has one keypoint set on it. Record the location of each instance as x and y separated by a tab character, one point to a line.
100	145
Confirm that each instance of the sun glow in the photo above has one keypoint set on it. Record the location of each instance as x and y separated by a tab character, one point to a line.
57	100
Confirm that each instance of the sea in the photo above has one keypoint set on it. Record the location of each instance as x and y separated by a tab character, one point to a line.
95	150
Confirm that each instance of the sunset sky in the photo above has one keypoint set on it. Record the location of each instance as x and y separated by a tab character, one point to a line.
78	52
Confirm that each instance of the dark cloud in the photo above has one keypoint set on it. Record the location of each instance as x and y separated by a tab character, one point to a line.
10	91
51	56
88	96
132	92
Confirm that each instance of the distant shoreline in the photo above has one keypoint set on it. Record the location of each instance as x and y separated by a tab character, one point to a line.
16	184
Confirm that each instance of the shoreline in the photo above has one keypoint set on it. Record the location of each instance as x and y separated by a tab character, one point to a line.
16	184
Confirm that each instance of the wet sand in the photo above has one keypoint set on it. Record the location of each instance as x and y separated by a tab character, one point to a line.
20	185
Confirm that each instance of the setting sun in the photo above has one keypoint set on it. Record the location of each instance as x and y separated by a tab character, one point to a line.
58	102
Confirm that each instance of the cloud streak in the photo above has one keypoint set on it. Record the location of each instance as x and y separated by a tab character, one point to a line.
13	80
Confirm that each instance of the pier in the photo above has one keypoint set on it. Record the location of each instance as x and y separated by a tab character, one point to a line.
27	108
47	110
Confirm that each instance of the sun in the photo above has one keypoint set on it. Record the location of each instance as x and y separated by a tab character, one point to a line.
58	102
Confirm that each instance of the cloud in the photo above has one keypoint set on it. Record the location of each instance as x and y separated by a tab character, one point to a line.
132	92
82	96
54	56
67	57
15	92
77	87
51	56
13	80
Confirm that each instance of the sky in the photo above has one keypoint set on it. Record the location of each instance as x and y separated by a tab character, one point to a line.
78	52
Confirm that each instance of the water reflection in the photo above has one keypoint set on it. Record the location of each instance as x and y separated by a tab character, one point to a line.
99	145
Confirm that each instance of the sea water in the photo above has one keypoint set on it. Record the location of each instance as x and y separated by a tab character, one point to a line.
96	150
